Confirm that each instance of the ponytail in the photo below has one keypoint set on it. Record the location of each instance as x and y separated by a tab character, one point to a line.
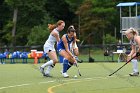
133	31
51	27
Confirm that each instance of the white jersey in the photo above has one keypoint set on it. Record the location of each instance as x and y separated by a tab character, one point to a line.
133	42
50	42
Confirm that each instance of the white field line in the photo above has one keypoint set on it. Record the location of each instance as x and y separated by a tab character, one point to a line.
94	78
14	86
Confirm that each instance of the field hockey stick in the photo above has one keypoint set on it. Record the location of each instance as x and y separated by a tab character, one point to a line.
76	64
137	54
78	69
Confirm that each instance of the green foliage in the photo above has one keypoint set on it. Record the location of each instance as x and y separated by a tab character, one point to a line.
14	3
30	13
96	17
8	26
7	37
59	10
91	18
38	35
74	4
109	39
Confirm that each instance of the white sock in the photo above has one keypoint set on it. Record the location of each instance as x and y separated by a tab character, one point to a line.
48	70
47	64
135	65
62	67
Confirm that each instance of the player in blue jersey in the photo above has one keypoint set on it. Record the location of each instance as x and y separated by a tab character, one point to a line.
63	47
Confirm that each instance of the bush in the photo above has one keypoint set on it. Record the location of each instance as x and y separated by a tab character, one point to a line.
109	39
38	35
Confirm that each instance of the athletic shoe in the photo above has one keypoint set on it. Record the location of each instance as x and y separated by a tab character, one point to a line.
65	75
42	70
134	74
47	75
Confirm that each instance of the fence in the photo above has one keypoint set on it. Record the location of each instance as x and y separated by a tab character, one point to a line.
88	53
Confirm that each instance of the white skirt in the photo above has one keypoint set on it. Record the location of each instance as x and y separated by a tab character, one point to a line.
48	47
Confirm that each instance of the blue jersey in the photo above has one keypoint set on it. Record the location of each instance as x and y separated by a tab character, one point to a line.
60	45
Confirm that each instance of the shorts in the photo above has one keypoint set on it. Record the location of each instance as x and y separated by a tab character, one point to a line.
61	58
59	48
48	48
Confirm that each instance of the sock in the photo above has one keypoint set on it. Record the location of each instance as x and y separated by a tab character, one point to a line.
69	65
49	69
62	67
47	64
65	65
135	65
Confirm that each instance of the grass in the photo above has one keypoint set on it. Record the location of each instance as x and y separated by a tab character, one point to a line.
26	78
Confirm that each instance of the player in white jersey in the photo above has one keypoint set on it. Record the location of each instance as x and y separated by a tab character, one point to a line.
134	38
49	47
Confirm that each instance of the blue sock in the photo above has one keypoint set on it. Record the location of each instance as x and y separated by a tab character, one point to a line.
69	65
65	65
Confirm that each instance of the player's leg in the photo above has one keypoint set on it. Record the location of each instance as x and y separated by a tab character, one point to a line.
135	68
65	62
70	64
61	58
52	55
53	59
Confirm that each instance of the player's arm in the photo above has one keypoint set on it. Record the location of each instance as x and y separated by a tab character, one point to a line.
73	43
138	42
133	51
56	35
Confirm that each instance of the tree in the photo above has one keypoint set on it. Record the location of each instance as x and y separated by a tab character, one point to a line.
14	4
59	10
5	16
29	14
110	39
40	33
96	17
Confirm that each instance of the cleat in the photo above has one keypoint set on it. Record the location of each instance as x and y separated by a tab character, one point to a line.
47	75
65	75
42	70
134	74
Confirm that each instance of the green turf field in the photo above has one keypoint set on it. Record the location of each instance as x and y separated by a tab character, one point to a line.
26	78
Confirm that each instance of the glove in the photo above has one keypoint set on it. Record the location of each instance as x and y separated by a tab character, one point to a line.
137	54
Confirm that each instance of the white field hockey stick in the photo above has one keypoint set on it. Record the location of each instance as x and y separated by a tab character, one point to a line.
78	69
